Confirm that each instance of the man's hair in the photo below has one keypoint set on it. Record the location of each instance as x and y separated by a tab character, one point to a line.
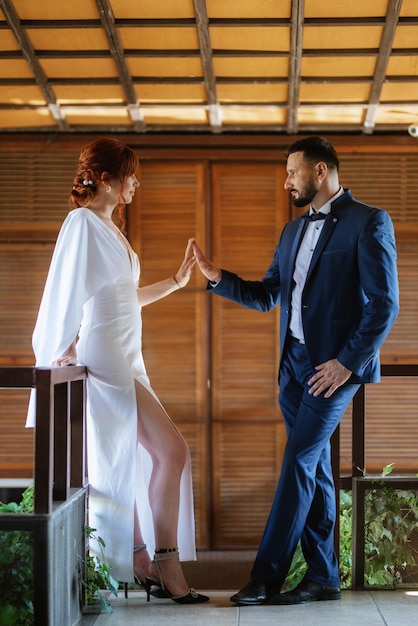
316	149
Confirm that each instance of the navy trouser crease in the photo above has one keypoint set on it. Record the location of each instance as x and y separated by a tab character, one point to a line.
304	504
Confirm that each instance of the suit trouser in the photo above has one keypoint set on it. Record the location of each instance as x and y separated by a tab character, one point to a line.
304	504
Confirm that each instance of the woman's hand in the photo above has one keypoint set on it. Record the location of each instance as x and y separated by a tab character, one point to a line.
69	357
208	269
184	272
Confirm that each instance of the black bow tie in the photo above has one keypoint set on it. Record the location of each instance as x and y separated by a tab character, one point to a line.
315	216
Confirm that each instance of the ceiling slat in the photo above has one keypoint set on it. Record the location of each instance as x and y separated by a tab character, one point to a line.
116	49
29	54
208	65
207	62
394	8
295	62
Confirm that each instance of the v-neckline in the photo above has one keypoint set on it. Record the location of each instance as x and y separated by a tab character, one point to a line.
118	234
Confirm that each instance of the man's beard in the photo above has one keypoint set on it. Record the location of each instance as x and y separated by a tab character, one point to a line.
306	195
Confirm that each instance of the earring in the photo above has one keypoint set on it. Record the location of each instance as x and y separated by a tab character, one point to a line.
108	188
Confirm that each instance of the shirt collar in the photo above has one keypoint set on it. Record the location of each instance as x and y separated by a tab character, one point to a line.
326	208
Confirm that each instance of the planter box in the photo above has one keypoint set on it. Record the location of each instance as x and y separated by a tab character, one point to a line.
58	552
57	526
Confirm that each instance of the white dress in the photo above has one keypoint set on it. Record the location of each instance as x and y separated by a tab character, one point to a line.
91	292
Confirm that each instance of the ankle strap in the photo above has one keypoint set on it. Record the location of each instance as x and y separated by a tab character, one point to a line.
165	550
139	546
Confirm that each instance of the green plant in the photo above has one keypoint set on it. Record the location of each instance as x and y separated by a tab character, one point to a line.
391	519
97	574
16	569
298	567
346	510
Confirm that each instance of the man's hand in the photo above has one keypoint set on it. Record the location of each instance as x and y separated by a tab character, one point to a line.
330	375
184	272
208	269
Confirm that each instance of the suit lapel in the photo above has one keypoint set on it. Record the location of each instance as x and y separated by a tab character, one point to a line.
327	230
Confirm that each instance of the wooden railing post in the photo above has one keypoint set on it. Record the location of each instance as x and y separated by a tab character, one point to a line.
358	466
78	438
59	447
61	442
358	434
44	438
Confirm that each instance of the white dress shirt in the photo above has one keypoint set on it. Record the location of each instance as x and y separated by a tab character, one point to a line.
306	249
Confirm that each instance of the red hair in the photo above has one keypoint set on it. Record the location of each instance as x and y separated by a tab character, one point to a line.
103	160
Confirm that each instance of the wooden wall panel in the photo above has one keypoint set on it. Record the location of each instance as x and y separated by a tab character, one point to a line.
402	343
168	210
246	465
23	271
35	184
16	441
391	427
389	181
249	211
212	363
196	435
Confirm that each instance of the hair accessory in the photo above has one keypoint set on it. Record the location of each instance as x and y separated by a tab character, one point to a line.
88	182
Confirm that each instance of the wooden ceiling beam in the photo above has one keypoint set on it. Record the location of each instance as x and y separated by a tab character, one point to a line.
202	24
117	52
295	62
247	104
216	53
184	22
388	35
197	129
36	68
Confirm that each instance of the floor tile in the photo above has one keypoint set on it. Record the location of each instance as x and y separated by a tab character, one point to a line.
136	609
401	610
356	608
349	611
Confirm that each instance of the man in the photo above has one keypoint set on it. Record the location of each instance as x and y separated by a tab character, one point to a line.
334	275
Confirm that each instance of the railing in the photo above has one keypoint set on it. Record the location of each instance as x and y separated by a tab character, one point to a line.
354	481
59	455
59	460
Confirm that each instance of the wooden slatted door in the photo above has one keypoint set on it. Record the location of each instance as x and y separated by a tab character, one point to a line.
250	209
34	189
389	181
167	211
212	363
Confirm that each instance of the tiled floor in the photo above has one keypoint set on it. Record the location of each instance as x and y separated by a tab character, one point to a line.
356	608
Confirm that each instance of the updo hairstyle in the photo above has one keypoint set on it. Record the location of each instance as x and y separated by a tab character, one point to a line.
102	160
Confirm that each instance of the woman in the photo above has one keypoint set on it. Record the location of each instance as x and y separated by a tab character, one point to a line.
138	462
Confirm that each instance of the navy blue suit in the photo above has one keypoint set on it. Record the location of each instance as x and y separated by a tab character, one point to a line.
349	304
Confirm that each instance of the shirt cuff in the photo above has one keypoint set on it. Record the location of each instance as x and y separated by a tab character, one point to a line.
215	283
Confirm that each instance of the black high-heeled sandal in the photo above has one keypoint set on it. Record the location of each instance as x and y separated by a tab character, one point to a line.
148	583
191	597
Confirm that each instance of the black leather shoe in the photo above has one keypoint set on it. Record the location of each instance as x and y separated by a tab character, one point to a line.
307	591
254	592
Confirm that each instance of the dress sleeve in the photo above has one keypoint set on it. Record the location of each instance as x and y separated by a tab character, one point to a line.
75	274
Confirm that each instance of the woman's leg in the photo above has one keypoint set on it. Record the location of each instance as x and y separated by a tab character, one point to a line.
169	452
141	557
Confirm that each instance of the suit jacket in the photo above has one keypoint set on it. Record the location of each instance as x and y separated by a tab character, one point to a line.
350	299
